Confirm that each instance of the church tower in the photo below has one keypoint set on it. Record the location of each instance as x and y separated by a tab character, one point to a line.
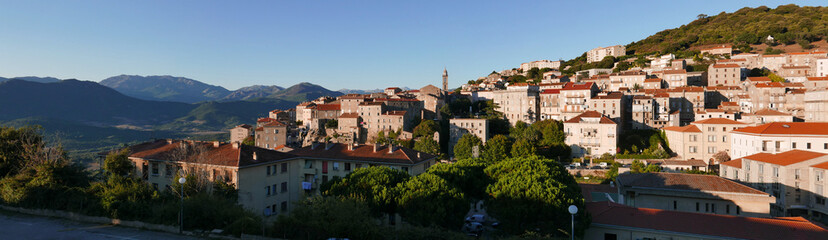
445	80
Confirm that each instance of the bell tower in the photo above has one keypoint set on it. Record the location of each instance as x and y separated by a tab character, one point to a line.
445	80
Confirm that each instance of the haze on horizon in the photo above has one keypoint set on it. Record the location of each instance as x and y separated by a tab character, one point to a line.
334	44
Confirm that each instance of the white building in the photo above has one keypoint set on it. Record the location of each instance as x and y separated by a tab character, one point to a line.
598	54
540	65
591	134
779	137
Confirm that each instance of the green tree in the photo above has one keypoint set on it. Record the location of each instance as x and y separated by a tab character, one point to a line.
551	132
652	168
417	198
332	124
637	167
325	217
118	163
465	174
464	147
523	148
523	131
497	148
426	128
776	78
374	185
530	193
13	143
427	145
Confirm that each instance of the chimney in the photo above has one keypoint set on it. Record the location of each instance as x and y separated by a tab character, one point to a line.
376	147
254	156
216	144
350	147
390	148
235	145
169	141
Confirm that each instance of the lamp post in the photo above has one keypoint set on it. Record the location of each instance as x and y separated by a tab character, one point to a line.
181	180
573	210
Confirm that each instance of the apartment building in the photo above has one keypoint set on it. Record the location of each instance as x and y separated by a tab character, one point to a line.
518	102
816	105
702	139
628	80
241	132
541	64
751	60
433	99
763	116
675	78
462	126
785	175
816	83
653	83
724	75
773	62
271	135
821	69
686	100
591	134
692	193
598	54
267	180
793	73
718	50
779	137
574	97
610	104
304	113
550	107
819	191
349	103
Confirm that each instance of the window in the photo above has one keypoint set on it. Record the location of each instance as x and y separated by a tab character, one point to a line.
775	172
738	210
168	170
711	138
675	205
308	163
724	138
727	208
347	166
796	174
267	191
693	149
268	171
706	207
793	145
610	236
713	207
273	189
155	169
284	206
808	145
324	166
692	138
818	174
284	186
711	149
284	167
697	206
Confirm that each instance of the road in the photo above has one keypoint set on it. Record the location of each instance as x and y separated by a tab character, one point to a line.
22	226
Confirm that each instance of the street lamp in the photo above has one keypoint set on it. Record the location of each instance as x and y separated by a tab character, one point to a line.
573	210
181	180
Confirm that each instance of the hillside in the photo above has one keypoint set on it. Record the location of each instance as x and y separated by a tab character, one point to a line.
219	116
303	92
788	24
33	79
252	92
165	88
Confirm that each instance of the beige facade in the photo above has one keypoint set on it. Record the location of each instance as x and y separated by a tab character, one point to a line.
718	50
692	193
240	133
541	64
702	139
612	105
574	98
550	107
816	105
519	102
628	80
598	54
266	180
462	126
724	75
591	134
271	135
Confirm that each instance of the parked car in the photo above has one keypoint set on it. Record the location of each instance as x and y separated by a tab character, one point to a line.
479	218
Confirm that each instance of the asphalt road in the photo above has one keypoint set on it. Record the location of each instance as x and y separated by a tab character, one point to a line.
22	226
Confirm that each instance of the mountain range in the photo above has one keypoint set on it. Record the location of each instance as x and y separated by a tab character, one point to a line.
180	89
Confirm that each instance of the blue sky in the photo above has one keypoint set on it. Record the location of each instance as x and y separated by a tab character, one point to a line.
336	44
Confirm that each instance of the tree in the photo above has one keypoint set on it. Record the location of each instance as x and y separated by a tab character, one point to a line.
523	148
533	193
374	185
776	78
637	167
701	16
523	131
464	147
427	145
465	174
426	128
497	148
331	124
721	157
417	198
652	168
12	147
551	132
325	217
118	163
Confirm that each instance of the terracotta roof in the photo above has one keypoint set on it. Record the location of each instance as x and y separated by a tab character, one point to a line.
681	71
353	96
398	113
245	126
689	162
224	155
349	115
796	91
578	86
769	112
718	121
658	80
261	120
328	107
736	163
551	91
710	226
793	84
730	104
304	104
688	128
759	79
785	158
769	85
731	60
396	100
629	73
591	114
719	88
684	182
275	124
805	53
610	95
796	67
642	97
817	78
788	128
686	89
821	165
773	55
393	88
401	155
728	65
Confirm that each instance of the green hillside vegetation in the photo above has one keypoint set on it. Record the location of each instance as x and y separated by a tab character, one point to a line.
787	24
